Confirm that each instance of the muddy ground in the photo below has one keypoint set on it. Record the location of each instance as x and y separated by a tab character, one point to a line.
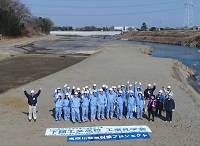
22	69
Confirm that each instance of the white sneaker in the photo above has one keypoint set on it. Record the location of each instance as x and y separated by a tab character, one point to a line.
170	122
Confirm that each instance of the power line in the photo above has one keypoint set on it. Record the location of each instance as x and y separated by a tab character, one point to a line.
91	0
120	14
129	6
197	8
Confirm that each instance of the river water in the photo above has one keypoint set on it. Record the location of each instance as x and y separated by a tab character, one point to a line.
187	55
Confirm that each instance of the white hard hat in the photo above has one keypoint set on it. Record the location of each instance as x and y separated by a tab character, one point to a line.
131	91
59	95
110	89
86	86
103	85
160	91
67	94
114	87
170	94
32	91
100	90
76	93
94	91
120	92
130	85
68	87
169	87
85	92
140	92
122	86
95	85
149	85
78	89
58	88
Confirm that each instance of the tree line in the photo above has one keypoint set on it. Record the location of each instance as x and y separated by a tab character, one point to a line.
85	28
17	20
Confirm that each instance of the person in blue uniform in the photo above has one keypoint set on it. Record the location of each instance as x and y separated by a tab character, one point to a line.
75	105
66	107
56	92
131	101
119	103
93	105
111	97
101	103
85	106
139	105
58	107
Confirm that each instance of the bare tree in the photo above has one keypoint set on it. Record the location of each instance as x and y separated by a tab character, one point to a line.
22	12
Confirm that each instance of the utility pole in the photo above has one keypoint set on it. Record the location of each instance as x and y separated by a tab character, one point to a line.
160	24
189	19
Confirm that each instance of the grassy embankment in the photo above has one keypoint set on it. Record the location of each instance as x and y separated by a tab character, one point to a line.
174	37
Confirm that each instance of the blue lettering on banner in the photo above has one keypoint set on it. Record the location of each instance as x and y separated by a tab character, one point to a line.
108	137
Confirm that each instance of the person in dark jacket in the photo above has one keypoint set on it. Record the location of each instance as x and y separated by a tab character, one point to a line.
159	103
169	106
152	107
148	93
32	101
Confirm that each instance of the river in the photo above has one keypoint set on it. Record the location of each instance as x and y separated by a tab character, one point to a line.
187	55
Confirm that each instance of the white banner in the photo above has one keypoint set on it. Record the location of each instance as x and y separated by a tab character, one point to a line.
95	130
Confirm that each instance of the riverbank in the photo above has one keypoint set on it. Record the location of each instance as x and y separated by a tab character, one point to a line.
116	64
24	60
174	37
6	45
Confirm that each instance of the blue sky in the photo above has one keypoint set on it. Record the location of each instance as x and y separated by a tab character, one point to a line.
101	13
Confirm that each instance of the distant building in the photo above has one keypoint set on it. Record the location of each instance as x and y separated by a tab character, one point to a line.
196	28
122	28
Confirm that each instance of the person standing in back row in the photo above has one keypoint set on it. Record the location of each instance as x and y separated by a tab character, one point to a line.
167	91
148	93
32	101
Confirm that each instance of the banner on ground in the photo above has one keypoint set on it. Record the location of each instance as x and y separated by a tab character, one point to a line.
108	137
95	130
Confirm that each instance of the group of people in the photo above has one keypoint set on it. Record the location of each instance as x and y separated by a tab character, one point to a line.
105	103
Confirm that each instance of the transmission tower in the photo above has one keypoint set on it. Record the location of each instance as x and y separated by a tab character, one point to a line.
189	19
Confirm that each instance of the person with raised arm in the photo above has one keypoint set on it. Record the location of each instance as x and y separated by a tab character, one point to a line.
32	101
